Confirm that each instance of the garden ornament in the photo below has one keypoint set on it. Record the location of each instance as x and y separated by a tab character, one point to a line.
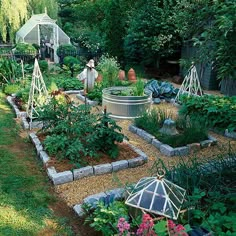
169	127
157	195
88	76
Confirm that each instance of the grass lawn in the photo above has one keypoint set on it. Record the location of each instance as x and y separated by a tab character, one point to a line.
28	205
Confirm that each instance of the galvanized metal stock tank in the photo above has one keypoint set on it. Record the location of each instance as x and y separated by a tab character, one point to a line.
125	107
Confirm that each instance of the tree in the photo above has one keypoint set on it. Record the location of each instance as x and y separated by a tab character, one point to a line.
12	15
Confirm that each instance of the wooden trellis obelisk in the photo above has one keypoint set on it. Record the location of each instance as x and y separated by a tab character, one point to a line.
191	84
38	93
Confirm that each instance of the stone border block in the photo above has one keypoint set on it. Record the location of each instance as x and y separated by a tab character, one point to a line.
156	143
24	123
117	192
81	97
133	129
51	171
230	134
167	150
193	147
102	169
83	172
138	161
206	143
44	157
73	91
32	136
78	210
146	136
39	148
119	165
62	177
214	140
93	199
181	151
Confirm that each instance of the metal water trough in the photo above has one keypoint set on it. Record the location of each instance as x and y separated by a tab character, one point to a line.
125	107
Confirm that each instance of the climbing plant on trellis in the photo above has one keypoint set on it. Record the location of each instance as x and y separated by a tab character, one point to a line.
191	84
38	93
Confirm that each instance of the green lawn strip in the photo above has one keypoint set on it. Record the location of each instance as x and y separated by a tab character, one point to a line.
24	191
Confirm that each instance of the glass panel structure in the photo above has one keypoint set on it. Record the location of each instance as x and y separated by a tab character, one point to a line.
158	196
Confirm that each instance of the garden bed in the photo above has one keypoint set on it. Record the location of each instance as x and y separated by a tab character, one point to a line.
168	150
71	175
23	116
83	98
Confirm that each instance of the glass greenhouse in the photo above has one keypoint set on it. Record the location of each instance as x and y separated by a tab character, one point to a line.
158	196
40	29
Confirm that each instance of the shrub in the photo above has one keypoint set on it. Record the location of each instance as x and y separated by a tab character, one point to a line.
11	88
70	61
66	50
69	83
218	112
22	48
43	64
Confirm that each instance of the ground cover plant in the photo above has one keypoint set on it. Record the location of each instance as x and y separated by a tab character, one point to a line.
26	201
210	191
190	131
74	132
216	111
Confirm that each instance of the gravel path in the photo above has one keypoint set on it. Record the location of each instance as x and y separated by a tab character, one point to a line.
74	192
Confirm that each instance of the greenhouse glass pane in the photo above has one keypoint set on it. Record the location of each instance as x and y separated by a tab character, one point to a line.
146	200
135	200
158	204
151	187
160	189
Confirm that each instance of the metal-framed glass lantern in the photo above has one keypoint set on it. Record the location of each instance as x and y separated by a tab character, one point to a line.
157	195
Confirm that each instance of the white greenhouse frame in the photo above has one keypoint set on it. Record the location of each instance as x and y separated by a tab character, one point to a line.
31	32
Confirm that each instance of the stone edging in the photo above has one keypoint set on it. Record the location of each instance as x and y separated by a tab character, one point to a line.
81	97
69	176
230	134
118	194
22	114
168	150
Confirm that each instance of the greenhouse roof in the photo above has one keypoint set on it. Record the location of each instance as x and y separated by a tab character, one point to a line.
32	22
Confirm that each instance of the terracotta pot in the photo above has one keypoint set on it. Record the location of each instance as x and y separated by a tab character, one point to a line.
121	75
132	75
99	78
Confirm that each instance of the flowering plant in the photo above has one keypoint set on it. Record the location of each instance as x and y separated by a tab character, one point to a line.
149	228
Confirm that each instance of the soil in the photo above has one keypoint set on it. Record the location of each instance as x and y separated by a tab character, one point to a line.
125	153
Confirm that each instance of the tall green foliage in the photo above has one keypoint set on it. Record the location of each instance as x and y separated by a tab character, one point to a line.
13	14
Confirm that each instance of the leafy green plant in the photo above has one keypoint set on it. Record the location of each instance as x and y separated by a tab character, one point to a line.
104	218
138	89
109	68
153	120
217	111
11	88
190	131
69	83
43	64
66	50
74	132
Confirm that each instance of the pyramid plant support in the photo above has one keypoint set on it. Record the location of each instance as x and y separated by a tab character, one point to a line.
38	91
191	84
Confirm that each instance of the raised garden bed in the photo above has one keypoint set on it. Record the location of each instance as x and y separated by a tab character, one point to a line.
82	98
75	174
122	106
23	116
168	150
